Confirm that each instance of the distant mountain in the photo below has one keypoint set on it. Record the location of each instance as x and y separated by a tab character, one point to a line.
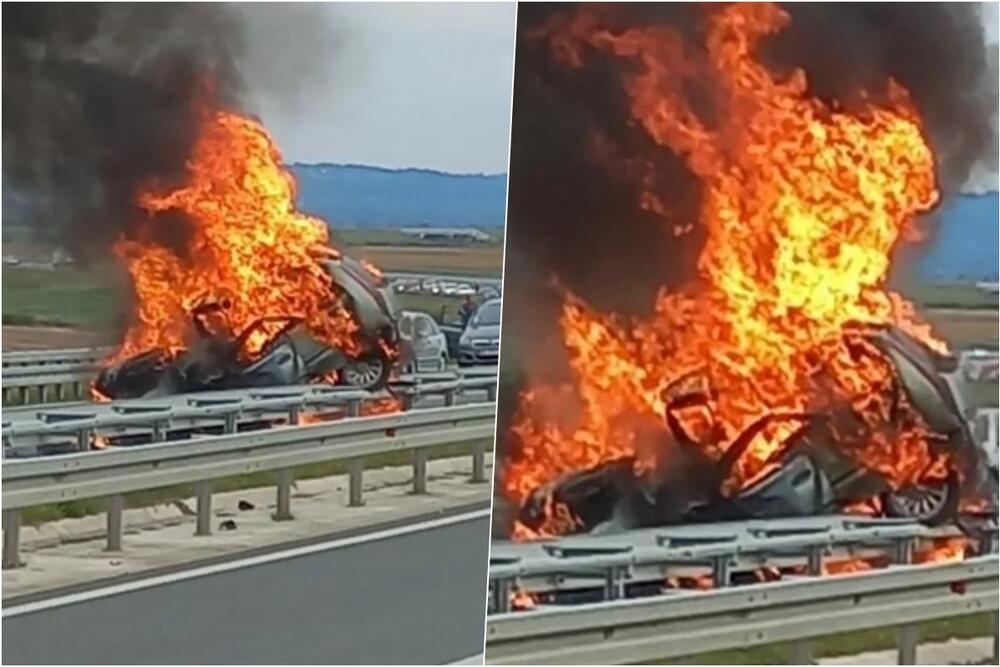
359	196
966	242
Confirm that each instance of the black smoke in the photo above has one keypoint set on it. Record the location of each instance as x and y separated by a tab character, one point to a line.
936	50
102	99
579	162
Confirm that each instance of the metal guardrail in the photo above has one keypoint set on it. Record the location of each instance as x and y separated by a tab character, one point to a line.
199	461
604	568
31	359
689	622
60	373
60	429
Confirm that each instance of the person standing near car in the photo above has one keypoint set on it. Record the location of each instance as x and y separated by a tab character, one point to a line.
467	309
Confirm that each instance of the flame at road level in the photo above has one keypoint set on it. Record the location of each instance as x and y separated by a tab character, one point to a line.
245	246
803	204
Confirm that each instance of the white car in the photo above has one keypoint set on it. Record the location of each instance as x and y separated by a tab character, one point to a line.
426	348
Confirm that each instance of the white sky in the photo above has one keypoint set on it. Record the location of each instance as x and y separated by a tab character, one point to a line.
400	84
990	19
406	85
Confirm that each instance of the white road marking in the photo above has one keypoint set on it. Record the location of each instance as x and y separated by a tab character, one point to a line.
183	575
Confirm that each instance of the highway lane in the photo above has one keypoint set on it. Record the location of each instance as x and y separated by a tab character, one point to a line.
414	593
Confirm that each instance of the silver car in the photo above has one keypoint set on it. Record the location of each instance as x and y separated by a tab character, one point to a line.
424	346
480	342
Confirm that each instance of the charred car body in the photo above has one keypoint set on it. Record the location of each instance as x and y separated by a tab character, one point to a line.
291	356
809	476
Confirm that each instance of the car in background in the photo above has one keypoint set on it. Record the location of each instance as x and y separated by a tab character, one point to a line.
479	343
406	286
489	292
424	345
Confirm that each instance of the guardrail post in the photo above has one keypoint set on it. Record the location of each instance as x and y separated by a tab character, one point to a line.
479	462
11	539
814	561
449	398
159	431
203	492
59	392
419	471
802	652
491	393
356	468
354	407
903	551
720	571
84	438
908	636
501	596
116	525
614	582
284	511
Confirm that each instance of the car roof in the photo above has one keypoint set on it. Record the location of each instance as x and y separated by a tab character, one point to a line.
417	313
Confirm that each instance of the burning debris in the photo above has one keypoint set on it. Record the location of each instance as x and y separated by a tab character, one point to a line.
786	380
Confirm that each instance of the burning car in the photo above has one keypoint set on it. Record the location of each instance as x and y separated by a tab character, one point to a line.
219	360
807	476
784	378
235	287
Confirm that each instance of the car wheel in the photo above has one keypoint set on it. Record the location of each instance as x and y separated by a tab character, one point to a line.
370	371
931	503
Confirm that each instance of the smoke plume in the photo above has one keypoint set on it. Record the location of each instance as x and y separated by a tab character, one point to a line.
101	100
579	165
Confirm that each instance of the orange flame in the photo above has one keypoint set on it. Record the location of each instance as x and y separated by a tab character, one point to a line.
942	550
522	600
803	204
381	406
246	249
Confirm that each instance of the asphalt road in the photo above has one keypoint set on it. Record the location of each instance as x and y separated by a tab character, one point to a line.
411	594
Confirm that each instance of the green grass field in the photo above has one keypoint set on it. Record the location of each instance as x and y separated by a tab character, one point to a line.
93	297
86	298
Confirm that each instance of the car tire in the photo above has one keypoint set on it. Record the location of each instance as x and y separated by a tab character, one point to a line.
370	371
931	504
